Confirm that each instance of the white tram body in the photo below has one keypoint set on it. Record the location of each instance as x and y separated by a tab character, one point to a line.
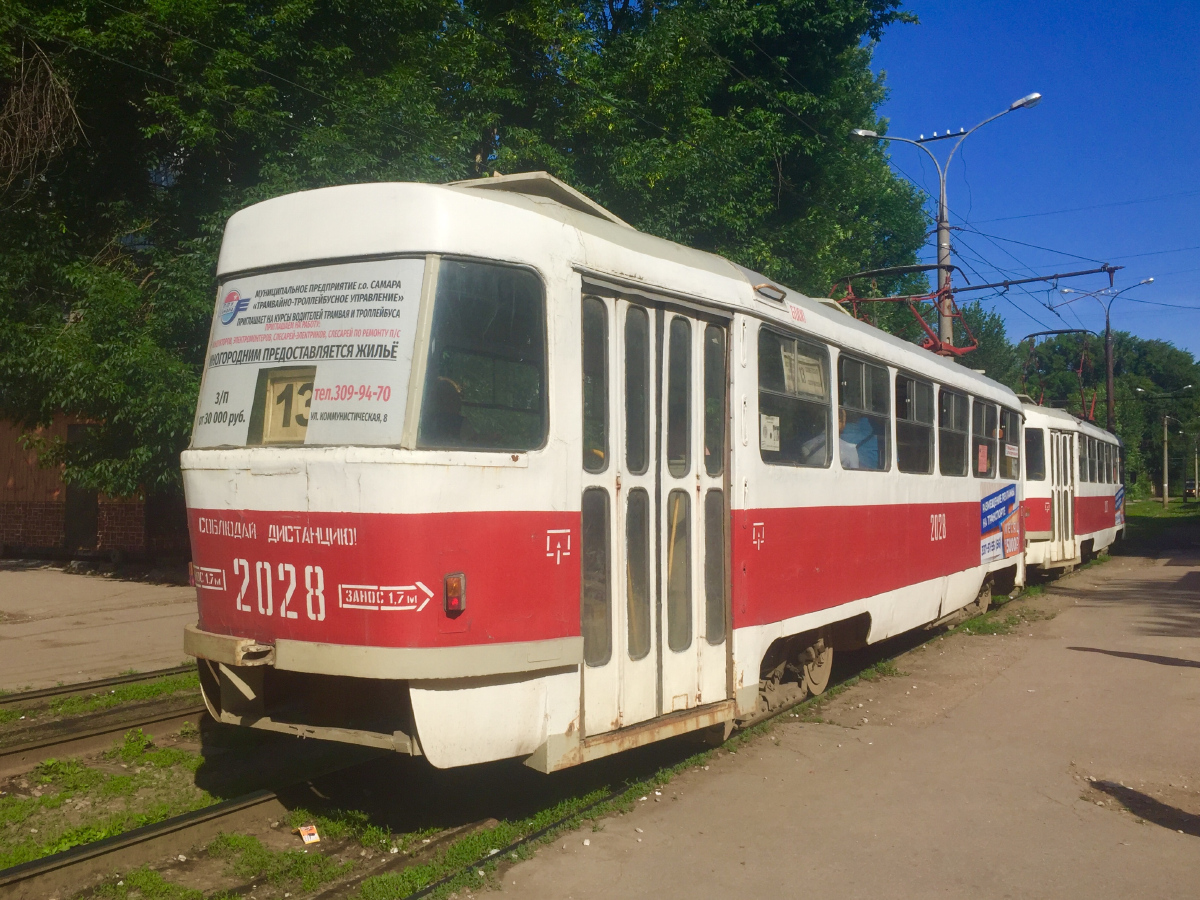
479	471
1074	490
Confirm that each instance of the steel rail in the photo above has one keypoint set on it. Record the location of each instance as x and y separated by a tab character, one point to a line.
87	687
71	736
85	852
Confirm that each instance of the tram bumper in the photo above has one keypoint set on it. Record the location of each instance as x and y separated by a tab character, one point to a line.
378	696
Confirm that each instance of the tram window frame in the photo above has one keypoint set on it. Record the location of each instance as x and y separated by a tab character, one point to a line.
1035	472
595	612
1107	463
1083	458
860	384
1094	460
911	429
594	355
679	396
1009	467
716	377
790	407
637	342
954	431
984	435
436	396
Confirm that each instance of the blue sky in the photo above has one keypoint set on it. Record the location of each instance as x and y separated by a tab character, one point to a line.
1119	124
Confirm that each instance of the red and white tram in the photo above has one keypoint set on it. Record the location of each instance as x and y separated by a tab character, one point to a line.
479	471
1074	488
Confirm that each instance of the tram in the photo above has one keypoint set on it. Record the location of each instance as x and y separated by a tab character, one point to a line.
1074	488
479	471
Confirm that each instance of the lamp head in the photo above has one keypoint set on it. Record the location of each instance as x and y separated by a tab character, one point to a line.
863	134
1029	101
1146	281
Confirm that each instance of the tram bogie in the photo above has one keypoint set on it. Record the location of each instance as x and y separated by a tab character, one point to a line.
479	472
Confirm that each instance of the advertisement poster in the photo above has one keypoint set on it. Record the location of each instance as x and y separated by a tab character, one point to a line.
1119	507
999	525
319	355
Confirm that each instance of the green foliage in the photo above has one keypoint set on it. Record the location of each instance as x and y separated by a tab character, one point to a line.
721	124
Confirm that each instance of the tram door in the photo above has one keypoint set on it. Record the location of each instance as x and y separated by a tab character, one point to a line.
1062	485
654	512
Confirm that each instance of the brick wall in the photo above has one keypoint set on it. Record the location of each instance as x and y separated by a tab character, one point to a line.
32	523
122	526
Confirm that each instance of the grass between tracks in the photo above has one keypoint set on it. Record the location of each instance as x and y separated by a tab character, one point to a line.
188	683
65	803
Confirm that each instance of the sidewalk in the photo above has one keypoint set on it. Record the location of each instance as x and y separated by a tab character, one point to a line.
967	777
56	627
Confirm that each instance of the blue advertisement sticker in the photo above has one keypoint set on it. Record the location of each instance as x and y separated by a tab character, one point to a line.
995	508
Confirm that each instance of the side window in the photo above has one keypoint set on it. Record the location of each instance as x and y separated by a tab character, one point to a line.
914	425
714	400
596	602
1083	458
983	439
1009	451
595	385
793	401
485	382
637	390
1093	459
864	439
953	422
1035	454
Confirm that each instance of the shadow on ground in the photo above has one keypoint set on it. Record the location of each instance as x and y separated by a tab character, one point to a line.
1150	809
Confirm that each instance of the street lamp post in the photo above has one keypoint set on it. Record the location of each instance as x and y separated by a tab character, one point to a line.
1108	341
945	320
1166	458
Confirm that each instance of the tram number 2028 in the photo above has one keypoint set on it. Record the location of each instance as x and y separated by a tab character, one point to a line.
937	527
265	576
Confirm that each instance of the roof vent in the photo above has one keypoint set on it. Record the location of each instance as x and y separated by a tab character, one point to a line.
541	184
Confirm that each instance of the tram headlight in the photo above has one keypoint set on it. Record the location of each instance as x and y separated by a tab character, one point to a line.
456	593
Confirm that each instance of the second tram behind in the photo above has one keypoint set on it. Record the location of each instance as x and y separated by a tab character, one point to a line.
479	471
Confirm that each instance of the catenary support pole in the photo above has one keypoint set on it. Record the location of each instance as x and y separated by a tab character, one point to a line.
1164	462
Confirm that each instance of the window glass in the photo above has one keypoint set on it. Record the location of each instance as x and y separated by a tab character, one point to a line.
983	439
914	425
1083	458
1093	459
596	606
793	401
714	400
1108	464
637	563
1009	448
714	567
637	390
595	385
679	570
486	373
864	440
679	394
1035	454
952	433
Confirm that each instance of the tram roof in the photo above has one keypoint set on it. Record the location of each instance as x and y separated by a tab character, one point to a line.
490	217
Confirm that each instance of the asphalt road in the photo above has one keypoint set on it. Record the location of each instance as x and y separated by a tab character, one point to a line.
58	627
969	776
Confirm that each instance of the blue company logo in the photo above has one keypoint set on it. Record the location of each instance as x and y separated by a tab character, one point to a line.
234	304
995	508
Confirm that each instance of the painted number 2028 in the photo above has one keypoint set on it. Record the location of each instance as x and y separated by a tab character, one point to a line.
285	573
937	527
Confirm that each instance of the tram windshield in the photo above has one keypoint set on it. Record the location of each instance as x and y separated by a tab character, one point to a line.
323	355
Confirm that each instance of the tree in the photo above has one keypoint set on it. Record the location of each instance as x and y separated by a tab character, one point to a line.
719	124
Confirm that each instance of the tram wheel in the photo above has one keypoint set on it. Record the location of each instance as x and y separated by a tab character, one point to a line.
818	664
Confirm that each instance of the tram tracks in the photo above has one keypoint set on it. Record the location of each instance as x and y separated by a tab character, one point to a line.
72	868
24	746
